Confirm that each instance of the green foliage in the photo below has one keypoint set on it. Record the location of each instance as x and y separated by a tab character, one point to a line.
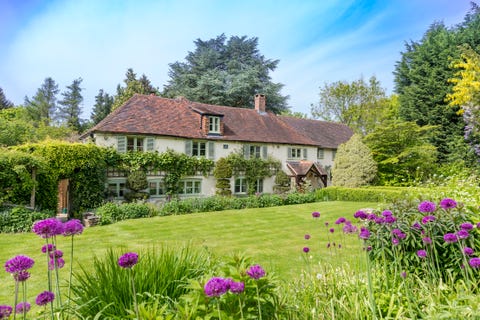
359	105
223	172
4	102
103	289
43	105
282	182
354	165
102	107
133	85
69	110
226	72
19	219
111	212
383	195
402	152
137	181
83	164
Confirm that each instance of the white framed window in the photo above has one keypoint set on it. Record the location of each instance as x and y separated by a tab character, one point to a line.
199	149
255	151
135	144
213	124
191	186
320	153
259	186
155	188
240	185
116	188
334	153
294	153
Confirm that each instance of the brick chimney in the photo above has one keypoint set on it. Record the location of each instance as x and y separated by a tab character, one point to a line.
260	102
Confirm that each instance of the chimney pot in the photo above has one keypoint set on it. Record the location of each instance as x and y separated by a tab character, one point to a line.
260	102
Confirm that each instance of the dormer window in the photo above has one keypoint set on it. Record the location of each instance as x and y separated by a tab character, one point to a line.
214	124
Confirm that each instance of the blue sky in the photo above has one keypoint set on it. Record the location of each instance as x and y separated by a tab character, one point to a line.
316	41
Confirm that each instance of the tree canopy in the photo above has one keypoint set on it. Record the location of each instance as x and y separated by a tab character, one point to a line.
226	72
70	106
43	105
4	102
102	107
133	85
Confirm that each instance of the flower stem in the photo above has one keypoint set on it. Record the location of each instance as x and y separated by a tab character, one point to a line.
258	303
134	294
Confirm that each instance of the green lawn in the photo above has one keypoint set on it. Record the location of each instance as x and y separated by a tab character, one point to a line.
273	237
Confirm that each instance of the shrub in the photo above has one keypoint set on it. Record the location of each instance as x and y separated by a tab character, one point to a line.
136	210
20	219
109	213
103	290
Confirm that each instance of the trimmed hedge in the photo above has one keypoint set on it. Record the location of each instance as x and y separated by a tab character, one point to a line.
20	219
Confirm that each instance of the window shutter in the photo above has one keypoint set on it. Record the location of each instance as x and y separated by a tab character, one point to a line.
188	147
289	153
304	153
122	144
264	152
150	143
211	150
246	151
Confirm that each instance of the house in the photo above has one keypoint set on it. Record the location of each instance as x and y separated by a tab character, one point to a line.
306	148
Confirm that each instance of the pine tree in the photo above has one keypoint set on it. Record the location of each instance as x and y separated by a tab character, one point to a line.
43	105
132	86
103	106
4	102
70	109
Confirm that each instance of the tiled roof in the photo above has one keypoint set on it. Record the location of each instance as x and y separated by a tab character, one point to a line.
153	115
325	134
301	168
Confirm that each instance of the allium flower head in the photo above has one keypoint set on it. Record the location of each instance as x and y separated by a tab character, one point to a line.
128	260
478	225
59	263
390	219
237	287
306	249
422	253
256	272
399	234
360	214
450	238
19	263
417	226
307	236
21	276
44	298
427	240
332	230
340	220
468	251
448	203
316	214
379	220
48	228
48	247
474	262
5	312
428	219
72	227
426	207
466	226
371	216
22	307
403	274
364	233
56	253
387	213
216	286
462	234
349	228
395	241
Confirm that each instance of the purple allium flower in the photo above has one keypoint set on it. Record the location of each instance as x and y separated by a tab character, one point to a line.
349	228
59	263
427	240
128	260
216	286
316	214
468	251
5	312
466	226
21	276
399	234
368	248
387	213
44	298
72	227
22	307
326	224
478	225
395	241
48	228
237	287
416	226
421	253
390	219
379	220
462	234
19	263
360	214
426	207
448	203
428	219
364	233
340	220
450	238
56	253
474	262
307	236
306	249
403	274
256	272
48	247
371	216
331	230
